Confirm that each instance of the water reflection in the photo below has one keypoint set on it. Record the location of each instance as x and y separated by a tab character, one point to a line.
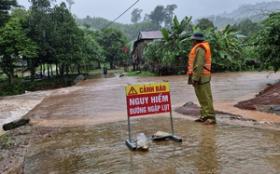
206	159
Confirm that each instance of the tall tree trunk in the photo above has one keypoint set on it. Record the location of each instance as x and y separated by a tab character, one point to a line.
48	67
32	71
52	70
111	65
41	71
61	69
11	74
98	64
44	69
56	69
67	70
79	69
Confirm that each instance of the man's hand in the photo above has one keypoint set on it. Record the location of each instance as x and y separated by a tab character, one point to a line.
195	83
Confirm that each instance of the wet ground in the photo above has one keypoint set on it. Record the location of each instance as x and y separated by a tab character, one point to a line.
103	100
14	107
83	131
205	149
267	100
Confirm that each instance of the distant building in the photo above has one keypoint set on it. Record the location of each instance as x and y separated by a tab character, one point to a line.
144	37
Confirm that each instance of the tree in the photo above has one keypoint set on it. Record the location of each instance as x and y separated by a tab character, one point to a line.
14	44
5	7
247	27
39	29
158	15
169	15
226	49
70	3
113	41
169	56
205	24
66	39
136	15
162	15
267	42
92	51
130	30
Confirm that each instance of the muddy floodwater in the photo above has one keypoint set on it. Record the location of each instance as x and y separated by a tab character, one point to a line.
205	149
84	131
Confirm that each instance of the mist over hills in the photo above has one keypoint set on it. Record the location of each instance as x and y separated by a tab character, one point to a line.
256	12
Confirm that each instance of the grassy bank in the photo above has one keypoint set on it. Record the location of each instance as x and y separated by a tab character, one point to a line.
20	86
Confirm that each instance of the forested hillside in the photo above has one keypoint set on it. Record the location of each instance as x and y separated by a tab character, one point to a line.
256	13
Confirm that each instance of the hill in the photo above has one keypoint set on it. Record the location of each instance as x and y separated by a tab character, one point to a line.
256	12
131	30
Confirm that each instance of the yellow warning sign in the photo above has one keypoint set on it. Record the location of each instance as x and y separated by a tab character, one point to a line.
132	91
151	88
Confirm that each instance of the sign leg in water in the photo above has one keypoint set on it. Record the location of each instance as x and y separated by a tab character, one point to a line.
147	99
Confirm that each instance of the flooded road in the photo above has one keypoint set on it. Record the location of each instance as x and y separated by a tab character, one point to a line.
86	130
103	100
101	149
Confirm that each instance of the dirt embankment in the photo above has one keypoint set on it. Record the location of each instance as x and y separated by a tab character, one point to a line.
267	100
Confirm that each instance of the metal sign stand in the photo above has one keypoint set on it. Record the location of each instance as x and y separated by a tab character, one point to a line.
172	136
133	146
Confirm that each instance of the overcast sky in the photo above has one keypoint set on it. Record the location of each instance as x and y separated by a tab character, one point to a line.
110	9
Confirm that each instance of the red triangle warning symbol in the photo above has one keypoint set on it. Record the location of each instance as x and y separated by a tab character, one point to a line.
132	91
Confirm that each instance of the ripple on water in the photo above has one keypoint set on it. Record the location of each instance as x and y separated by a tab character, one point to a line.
205	149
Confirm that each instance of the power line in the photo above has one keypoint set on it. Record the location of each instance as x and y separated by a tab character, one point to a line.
121	14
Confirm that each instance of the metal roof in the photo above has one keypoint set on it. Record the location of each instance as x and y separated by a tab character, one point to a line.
149	35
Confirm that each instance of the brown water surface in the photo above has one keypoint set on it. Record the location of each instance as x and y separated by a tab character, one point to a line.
92	130
205	149
103	100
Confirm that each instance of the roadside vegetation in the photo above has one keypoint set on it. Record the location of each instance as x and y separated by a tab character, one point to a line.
44	47
243	47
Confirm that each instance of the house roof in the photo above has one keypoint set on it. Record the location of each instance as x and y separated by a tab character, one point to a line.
149	35
146	35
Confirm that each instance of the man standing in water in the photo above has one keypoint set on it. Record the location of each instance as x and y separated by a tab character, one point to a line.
199	71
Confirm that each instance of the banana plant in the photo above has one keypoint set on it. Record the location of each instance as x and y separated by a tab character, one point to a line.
226	49
171	53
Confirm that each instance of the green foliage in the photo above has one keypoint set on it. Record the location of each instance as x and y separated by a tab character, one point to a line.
136	15
65	32
14	44
169	14
130	30
47	35
21	85
113	43
90	54
254	12
267	42
5	7
226	49
157	16
169	55
39	27
162	15
205	24
153	21
247	27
